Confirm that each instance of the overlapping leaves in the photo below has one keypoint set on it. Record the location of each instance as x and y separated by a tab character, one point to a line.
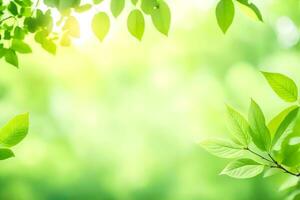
257	145
18	19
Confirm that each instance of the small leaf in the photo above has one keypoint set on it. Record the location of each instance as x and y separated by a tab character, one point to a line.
239	127
136	24
161	18
49	46
225	14
283	86
15	130
243	168
117	7
101	25
72	26
222	148
250	9
260	133
6	153
280	123
11	57
20	46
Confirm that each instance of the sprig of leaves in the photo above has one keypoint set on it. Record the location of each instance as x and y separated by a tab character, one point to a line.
12	134
225	12
257	146
19	19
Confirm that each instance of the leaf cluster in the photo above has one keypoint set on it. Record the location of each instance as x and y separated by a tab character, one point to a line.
257	145
18	19
225	12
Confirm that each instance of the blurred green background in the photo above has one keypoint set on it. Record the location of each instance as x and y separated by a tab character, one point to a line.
120	120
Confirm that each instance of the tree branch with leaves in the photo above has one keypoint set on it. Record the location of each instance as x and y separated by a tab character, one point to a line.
257	146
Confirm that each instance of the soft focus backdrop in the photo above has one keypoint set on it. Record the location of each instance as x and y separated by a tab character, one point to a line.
120	120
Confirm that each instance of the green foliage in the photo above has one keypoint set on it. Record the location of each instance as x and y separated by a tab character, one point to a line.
258	146
19	19
13	133
136	24
225	12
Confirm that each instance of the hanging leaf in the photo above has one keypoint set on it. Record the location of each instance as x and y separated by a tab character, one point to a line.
161	18
101	25
136	24
250	9
116	7
225	14
11	57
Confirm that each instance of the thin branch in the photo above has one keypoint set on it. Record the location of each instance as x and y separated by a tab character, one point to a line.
273	161
279	166
262	157
7	18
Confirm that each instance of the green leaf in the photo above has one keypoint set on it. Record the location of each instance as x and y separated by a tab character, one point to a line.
225	14
222	148
20	46
239	127
161	18
243	168
250	9
290	152
260	133
49	46
72	26
12	8
6	153
116	7
280	123
11	57
136	24
148	6
15	130
101	25
283	86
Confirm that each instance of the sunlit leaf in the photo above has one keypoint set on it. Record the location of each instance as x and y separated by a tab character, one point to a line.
20	46
11	57
243	168
15	130
280	122
250	9
101	25
136	24
117	7
260	133
161	18
225	14
239	127
283	86
222	148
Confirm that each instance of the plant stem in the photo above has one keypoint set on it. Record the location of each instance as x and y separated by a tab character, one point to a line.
7	18
273	161
279	166
258	155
